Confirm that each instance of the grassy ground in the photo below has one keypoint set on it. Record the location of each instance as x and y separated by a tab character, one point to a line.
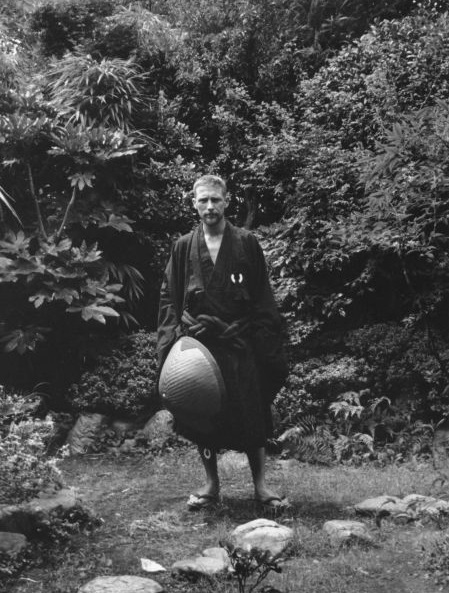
142	504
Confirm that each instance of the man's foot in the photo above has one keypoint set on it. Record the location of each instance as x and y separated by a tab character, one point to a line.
273	502
200	501
270	500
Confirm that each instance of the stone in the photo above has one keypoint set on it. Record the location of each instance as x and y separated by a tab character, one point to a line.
13	518
411	507
127	446
64	500
12	543
201	566
342	532
85	433
420	506
159	428
264	534
384	504
23	518
123	427
121	584
219	553
151	566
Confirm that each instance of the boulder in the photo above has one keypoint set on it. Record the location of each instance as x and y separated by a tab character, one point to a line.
264	534
201	566
420	507
342	532
85	433
159	428
121	584
124	427
24	517
411	507
12	544
14	519
63	500
128	446
219	553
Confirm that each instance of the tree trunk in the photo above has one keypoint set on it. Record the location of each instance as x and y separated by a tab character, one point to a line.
251	209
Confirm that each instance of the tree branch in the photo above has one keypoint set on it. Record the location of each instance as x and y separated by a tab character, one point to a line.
66	213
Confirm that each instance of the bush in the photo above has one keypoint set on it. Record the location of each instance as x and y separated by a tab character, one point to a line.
26	467
122	381
64	25
379	76
436	559
378	394
314	384
397	363
366	237
407	365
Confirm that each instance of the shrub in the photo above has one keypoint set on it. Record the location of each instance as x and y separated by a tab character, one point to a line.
122	381
64	25
407	365
315	383
436	559
371	81
26	467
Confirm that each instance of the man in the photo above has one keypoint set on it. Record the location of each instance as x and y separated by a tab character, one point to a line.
216	289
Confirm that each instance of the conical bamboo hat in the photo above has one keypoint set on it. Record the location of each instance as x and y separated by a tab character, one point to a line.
191	384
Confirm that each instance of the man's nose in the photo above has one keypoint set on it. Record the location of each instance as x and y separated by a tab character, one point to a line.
210	205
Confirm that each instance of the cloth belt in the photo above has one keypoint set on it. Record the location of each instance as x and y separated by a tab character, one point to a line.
212	326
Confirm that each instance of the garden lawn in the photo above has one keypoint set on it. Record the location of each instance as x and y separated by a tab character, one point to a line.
142	504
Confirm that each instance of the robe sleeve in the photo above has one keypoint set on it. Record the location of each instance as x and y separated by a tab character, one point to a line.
267	327
169	310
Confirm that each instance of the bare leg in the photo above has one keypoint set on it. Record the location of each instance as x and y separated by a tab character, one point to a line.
209	459
256	458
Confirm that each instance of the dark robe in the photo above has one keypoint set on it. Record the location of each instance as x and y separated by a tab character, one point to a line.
235	288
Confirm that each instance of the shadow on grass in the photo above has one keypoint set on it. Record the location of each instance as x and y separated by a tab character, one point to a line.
237	511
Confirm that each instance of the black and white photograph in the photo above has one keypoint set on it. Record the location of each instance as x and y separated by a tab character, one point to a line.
224	296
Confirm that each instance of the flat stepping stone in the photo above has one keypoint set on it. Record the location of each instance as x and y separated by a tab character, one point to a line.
265	534
22	518
121	584
385	504
12	543
341	532
412	507
201	566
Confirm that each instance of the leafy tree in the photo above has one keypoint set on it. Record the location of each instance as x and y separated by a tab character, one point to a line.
259	149
64	25
369	83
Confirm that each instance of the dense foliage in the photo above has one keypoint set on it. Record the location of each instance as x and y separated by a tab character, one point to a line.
330	122
27	469
122	381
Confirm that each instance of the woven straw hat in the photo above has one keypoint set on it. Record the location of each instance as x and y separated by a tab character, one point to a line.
191	384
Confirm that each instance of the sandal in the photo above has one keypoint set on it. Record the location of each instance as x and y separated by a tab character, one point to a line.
273	503
197	501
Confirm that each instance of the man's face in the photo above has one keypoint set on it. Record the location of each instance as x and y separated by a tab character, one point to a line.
210	203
